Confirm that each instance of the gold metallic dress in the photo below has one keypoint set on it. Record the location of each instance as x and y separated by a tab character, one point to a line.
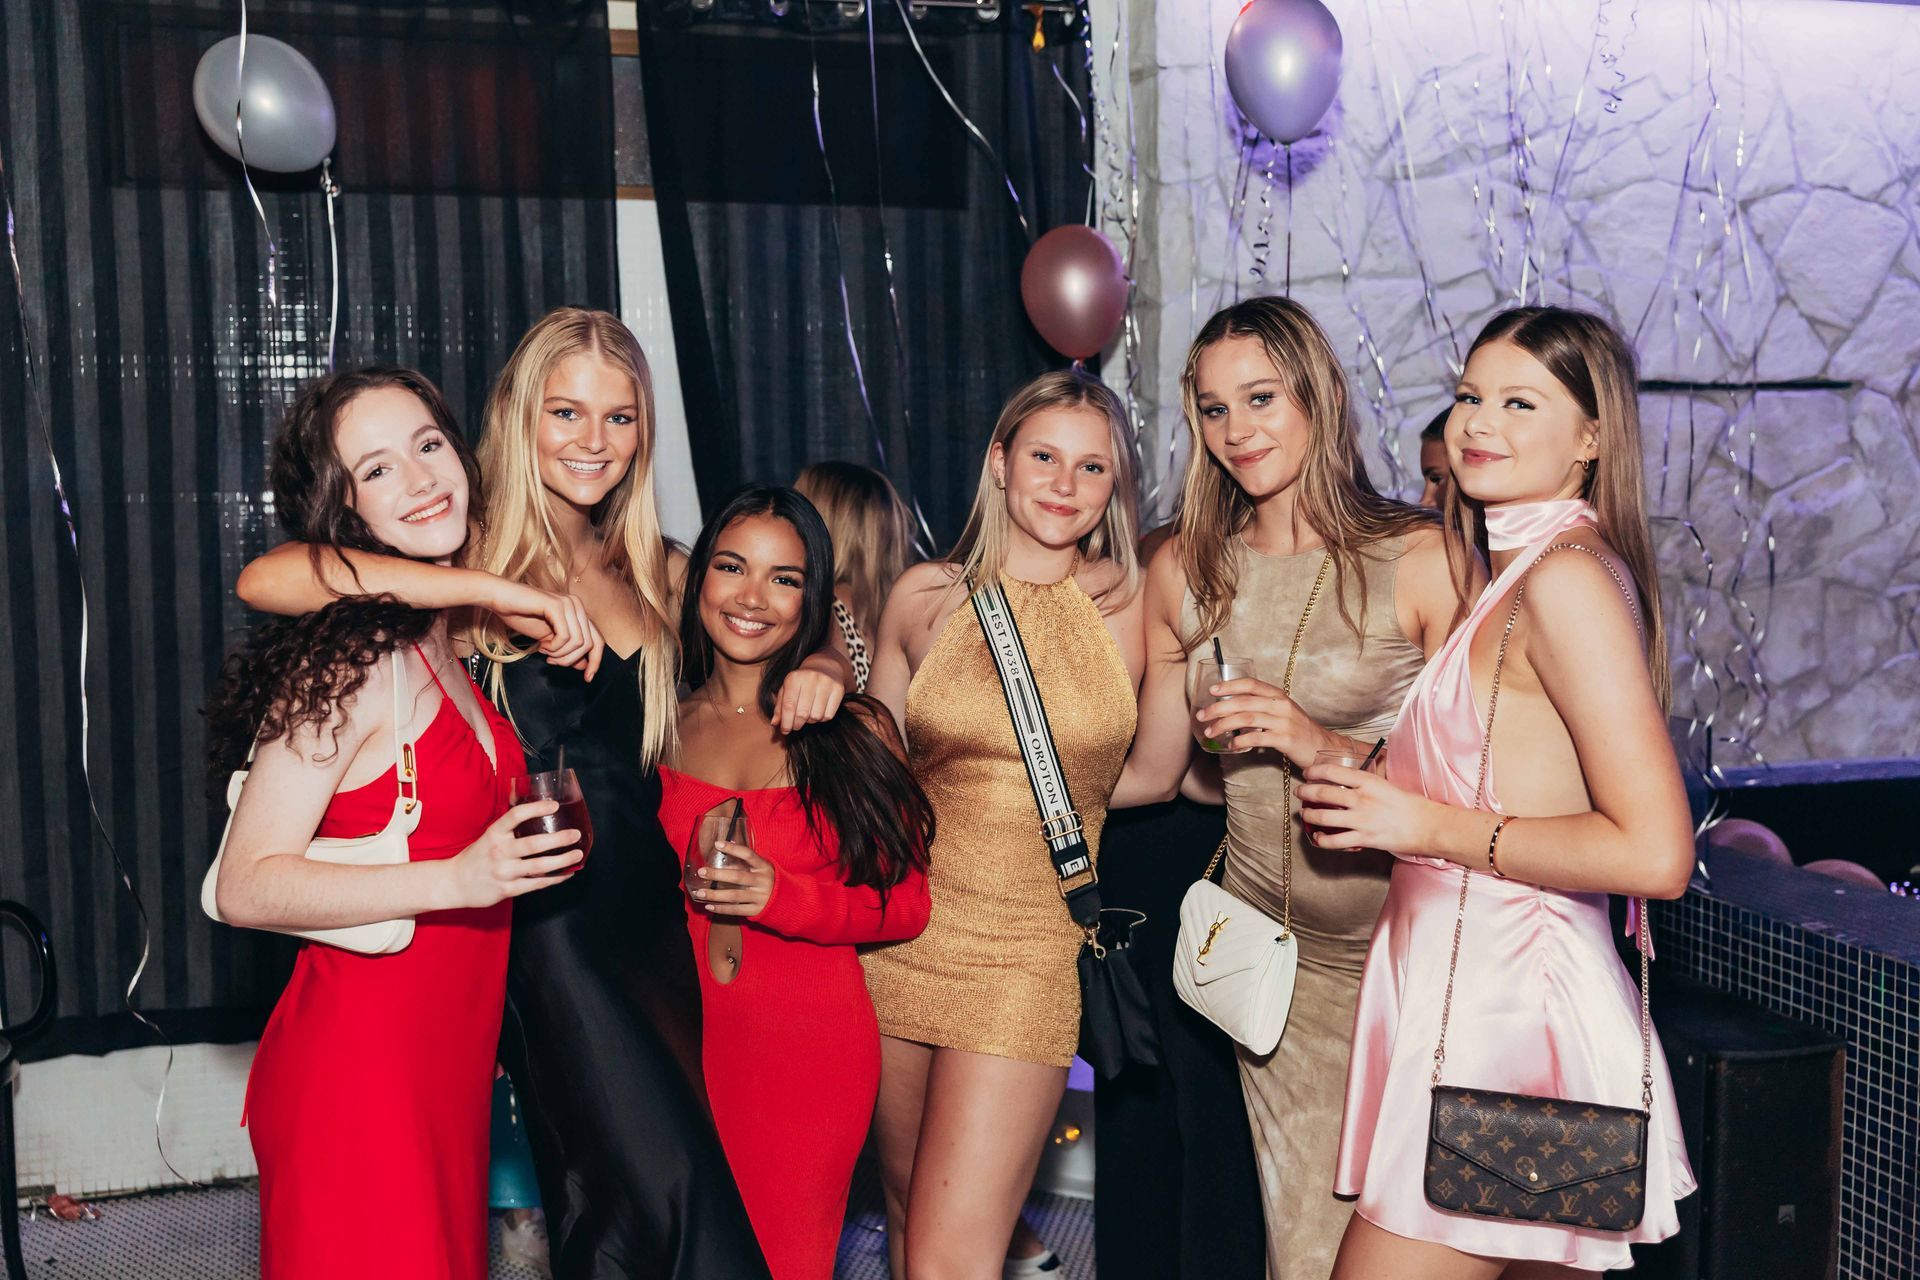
1295	1093
994	970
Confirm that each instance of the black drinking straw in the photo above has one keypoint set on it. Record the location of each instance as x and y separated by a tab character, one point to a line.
1218	660
1368	762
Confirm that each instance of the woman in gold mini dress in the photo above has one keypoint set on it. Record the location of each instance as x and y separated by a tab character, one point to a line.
980	1015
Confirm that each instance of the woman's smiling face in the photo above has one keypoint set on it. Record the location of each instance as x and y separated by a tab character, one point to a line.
1516	433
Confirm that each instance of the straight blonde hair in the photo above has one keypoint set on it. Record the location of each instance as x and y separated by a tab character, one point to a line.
518	539
872	532
1337	499
981	552
1596	365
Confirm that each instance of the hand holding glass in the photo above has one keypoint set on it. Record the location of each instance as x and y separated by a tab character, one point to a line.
563	786
1214	672
1346	759
725	823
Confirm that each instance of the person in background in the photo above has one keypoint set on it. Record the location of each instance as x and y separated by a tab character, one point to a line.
602	1030
378	1064
980	1015
834	855
1433	461
872	531
1562	791
1283	540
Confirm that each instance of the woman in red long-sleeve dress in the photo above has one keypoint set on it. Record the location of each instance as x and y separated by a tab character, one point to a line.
835	856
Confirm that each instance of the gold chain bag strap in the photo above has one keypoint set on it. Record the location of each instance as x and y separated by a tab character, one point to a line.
1232	962
1509	1155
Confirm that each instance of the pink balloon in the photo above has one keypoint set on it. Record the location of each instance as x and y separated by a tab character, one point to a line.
1075	290
1850	872
1743	835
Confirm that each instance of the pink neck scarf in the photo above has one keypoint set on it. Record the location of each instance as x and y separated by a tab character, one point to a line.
1522	524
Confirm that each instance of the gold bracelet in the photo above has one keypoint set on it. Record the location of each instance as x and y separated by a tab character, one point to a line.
1493	845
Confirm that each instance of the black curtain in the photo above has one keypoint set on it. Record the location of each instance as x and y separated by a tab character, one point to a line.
746	215
475	154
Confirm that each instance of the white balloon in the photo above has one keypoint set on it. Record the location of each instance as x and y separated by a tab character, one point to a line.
287	121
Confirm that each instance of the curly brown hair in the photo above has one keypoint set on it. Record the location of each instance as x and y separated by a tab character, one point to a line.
290	673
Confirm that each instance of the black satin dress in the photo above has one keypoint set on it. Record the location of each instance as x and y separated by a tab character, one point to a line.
602	1027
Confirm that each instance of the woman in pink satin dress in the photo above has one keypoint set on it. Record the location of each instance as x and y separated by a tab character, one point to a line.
1582	798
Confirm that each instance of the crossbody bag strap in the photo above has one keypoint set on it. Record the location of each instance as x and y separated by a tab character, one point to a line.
1060	824
1643	940
1286	765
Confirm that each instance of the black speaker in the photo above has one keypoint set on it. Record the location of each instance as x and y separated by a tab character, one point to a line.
1759	1099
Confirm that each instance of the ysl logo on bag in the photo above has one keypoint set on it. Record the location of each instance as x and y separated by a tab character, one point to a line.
1213	931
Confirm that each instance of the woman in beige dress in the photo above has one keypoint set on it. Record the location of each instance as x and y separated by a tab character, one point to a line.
1277	500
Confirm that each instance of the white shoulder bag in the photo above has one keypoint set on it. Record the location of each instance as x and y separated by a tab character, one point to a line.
388	846
1233	962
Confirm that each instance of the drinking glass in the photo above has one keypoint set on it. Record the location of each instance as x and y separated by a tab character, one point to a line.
726	821
1345	759
1214	672
561	785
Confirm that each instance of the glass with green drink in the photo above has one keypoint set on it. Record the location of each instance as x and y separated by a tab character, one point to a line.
1212	671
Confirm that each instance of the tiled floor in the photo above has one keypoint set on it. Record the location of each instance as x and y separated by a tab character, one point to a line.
215	1235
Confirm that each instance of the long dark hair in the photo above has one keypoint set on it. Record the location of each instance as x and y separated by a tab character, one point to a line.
294	672
845	774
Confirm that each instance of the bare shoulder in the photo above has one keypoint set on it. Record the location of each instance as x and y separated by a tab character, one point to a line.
923	594
1570	588
351	720
1104	581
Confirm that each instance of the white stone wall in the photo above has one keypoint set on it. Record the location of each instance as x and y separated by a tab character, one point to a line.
1489	152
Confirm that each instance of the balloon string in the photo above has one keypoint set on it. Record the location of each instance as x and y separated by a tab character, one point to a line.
332	191
1261	235
1287	289
36	398
924	537
1019	208
246	171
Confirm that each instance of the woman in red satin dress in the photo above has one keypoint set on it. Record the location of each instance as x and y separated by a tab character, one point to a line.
372	1079
839	833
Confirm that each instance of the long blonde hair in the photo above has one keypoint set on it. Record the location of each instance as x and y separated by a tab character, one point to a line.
872	532
981	552
1337	500
518	539
1596	365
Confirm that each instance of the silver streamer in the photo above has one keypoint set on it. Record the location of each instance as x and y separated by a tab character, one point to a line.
246	170
923	536
913	36
331	190
36	399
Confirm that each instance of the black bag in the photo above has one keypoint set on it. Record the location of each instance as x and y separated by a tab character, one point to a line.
1116	1020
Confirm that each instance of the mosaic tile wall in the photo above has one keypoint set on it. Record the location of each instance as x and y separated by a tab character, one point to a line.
1872	1000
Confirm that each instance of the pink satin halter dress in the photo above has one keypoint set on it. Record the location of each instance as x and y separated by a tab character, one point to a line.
1541	1005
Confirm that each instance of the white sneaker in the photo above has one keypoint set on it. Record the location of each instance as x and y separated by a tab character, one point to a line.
523	1242
1041	1264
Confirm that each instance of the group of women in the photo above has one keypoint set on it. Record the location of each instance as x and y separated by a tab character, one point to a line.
702	1028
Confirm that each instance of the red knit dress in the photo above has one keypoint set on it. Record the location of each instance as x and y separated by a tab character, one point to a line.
369	1096
792	1048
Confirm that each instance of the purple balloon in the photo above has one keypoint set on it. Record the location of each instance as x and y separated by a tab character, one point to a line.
1075	290
1283	65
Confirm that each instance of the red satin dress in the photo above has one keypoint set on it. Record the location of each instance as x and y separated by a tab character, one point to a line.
370	1092
792	1048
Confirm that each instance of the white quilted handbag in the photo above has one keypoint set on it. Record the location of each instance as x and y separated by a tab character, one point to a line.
1234	963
